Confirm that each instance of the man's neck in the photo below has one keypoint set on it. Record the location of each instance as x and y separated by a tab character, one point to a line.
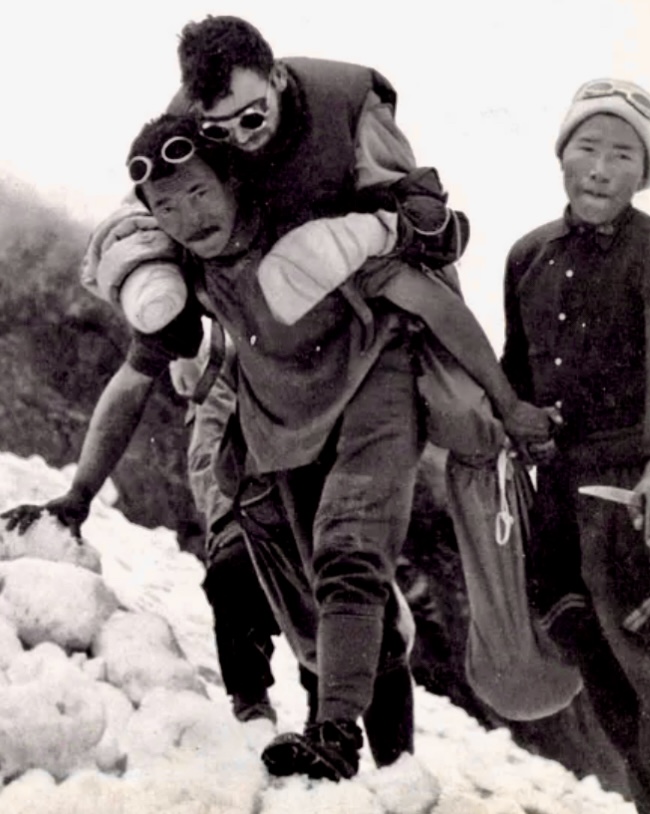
245	233
606	228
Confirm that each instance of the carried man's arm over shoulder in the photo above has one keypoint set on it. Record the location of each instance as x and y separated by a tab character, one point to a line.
385	165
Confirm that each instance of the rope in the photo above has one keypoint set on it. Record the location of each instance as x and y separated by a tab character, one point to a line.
504	518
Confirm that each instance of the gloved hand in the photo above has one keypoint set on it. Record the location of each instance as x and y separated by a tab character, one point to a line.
421	201
71	510
429	231
135	220
119	245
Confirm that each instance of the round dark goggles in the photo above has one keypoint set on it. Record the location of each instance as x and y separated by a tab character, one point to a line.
252	118
213	131
175	150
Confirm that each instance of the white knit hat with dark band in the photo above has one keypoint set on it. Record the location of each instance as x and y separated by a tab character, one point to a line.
618	97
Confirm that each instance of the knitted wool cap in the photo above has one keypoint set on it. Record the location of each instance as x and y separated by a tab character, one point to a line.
617	97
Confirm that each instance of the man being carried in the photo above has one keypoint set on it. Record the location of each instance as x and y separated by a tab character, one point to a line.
315	138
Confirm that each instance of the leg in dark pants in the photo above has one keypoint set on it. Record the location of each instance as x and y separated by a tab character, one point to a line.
610	571
350	512
244	625
388	721
358	531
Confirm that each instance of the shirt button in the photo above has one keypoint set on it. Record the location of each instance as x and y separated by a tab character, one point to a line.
558	404
569	272
561	316
583	324
253	339
317	348
551	262
558	361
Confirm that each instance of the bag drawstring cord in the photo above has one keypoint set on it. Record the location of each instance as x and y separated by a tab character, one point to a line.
504	518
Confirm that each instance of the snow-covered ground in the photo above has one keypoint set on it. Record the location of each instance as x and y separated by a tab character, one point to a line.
187	754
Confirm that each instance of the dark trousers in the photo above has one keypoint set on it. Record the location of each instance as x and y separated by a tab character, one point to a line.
389	718
350	512
589	570
244	622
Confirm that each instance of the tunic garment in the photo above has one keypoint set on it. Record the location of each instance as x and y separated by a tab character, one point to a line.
293	381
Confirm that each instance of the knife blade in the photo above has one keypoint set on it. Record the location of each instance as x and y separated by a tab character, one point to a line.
615	493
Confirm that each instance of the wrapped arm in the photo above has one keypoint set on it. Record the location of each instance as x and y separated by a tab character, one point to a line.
131	263
309	262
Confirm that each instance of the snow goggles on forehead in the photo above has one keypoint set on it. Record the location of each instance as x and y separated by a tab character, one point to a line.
175	150
639	100
253	117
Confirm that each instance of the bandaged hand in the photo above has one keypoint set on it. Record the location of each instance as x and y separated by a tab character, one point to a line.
133	264
136	219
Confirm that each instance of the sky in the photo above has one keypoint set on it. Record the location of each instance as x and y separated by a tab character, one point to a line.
482	89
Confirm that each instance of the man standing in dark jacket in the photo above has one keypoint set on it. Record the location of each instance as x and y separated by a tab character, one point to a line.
577	302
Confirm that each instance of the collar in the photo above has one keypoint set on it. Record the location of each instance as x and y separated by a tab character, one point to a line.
604	230
603	235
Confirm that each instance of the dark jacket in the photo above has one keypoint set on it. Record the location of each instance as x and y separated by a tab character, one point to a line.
577	310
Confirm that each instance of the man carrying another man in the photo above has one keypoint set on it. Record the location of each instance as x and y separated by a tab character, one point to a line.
330	404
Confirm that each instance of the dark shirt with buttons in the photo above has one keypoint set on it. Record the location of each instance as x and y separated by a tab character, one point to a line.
577	307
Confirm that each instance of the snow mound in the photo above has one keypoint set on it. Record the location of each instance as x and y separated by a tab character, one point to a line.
47	539
140	652
96	731
54	602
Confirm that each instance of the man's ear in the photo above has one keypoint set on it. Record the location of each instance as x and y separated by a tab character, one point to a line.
279	76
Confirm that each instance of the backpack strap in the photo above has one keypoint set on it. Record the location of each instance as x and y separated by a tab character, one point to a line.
362	310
